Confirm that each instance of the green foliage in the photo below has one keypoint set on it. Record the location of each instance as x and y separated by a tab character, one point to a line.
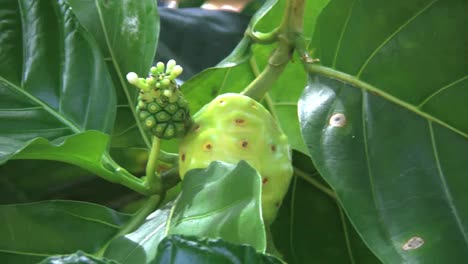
76	258
232	128
183	249
392	126
378	132
33	231
213	203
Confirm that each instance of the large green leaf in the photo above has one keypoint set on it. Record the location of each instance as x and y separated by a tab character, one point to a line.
33	231
127	33
76	258
23	181
182	249
310	218
141	245
220	201
53	81
383	127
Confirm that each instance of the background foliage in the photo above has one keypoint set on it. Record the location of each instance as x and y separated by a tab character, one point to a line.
378	132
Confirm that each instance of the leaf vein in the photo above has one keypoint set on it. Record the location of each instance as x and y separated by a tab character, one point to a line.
445	188
345	27
413	17
439	91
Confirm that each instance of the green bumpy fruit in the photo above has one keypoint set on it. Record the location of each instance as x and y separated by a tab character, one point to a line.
235	127
161	108
165	117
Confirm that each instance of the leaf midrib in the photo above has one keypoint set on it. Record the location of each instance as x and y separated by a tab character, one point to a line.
43	105
354	81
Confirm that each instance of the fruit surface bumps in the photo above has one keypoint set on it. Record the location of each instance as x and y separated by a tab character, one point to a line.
234	127
163	117
161	108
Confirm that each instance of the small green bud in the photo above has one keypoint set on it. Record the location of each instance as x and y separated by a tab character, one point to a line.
154	70
160	67
176	72
141	104
170	65
156	93
165	82
167	93
132	78
150	81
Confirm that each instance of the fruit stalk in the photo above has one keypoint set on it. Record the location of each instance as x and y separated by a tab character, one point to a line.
289	30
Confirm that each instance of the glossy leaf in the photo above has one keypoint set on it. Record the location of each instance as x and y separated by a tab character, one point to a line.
55	83
220	201
76	258
127	33
312	228
381	125
182	249
141	245
230	75
33	231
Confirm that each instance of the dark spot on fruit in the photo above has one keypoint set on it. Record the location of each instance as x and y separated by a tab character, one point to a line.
207	147
245	143
264	180
239	121
273	148
196	128
182	157
221	102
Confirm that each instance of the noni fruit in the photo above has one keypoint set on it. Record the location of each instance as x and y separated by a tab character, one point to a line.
161	107
235	127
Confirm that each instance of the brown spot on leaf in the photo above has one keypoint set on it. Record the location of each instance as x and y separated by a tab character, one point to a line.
413	243
182	157
264	180
273	147
337	120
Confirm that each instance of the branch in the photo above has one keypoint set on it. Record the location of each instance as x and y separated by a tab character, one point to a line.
287	33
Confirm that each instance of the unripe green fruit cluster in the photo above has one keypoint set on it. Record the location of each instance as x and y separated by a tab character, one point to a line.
161	106
234	127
